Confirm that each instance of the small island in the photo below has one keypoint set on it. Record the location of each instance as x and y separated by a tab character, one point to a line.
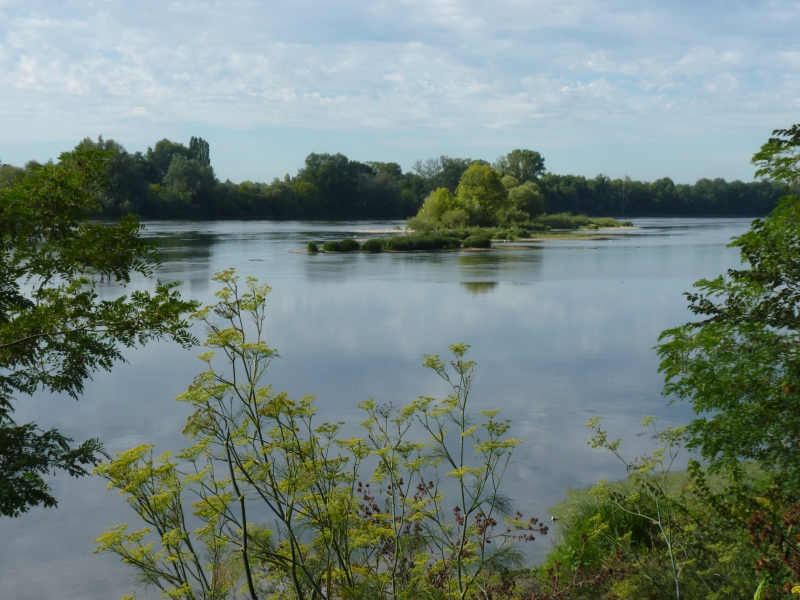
486	206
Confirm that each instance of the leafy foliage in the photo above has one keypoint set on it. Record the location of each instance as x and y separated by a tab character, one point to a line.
523	165
476	241
54	332
657	534
738	366
344	245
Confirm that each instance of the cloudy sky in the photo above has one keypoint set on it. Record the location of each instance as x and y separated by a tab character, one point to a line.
648	88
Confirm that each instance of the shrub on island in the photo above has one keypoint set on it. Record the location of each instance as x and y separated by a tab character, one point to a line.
422	241
373	245
345	245
476	241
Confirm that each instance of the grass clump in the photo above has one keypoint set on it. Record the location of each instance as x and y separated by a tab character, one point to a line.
422	241
476	241
605	222
312	248
569	221
373	245
345	245
511	233
565	221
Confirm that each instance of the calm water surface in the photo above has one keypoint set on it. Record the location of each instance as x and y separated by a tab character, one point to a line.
561	332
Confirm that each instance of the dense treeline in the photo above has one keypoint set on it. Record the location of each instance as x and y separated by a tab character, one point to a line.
172	180
605	196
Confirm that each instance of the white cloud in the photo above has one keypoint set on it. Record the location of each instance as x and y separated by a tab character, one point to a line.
571	69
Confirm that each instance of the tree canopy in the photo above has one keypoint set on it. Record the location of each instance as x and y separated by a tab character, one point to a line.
524	165
738	365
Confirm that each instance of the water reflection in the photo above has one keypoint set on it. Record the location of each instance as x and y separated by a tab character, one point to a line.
479	287
328	267
518	265
184	246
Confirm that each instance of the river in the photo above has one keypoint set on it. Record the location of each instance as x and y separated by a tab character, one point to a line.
561	331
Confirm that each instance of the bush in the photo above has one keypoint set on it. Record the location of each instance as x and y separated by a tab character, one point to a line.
422	241
454	219
421	224
565	221
608	222
373	245
345	245
312	248
476	241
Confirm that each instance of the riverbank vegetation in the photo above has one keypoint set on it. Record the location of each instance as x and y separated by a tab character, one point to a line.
173	180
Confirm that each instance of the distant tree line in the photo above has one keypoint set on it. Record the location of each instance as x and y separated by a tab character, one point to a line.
172	180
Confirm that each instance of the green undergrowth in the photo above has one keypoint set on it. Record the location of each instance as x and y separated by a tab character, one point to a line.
413	242
422	241
613	543
570	221
677	481
345	245
476	241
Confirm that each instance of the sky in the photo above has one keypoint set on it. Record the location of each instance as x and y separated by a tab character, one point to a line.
645	88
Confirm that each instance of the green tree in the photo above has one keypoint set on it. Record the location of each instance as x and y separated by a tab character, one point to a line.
337	178
126	189
443	171
525	165
200	151
481	192
738	364
388	169
190	178
9	174
159	158
509	182
310	198
379	196
527	198
437	204
54	332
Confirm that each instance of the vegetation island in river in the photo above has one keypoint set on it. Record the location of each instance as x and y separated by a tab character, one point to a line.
486	206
